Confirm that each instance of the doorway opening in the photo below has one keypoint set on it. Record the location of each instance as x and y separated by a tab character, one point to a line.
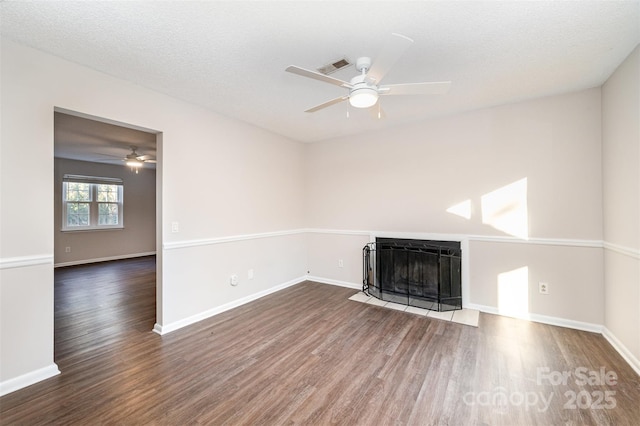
107	208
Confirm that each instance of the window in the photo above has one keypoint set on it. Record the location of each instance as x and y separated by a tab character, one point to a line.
90	202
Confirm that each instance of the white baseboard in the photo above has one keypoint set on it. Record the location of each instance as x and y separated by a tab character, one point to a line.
28	379
164	329
543	319
622	350
334	282
104	259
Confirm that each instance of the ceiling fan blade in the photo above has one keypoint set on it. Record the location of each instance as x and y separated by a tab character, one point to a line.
328	104
431	88
389	55
145	158
317	76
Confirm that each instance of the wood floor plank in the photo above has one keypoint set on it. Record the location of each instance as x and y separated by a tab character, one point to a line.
305	355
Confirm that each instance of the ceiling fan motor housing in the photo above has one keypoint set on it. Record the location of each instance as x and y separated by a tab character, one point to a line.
363	63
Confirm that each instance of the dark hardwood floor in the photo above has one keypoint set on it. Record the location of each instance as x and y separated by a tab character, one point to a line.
307	355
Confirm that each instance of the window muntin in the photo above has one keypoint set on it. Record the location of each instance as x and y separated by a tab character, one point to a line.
77	208
108	214
77	191
91	203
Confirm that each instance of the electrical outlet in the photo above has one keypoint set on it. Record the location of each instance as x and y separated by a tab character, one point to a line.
340	263
233	280
175	227
67	249
543	288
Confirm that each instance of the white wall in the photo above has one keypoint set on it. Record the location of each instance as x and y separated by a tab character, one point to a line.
217	178
505	276
204	272
139	216
528	175
325	249
621	180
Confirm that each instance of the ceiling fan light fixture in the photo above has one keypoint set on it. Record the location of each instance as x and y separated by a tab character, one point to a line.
364	97
134	162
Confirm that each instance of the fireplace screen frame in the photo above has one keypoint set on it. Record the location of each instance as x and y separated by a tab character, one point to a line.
422	273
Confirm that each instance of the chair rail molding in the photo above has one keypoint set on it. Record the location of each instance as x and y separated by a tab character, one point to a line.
25	261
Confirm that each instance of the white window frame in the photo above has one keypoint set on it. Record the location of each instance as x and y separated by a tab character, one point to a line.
93	181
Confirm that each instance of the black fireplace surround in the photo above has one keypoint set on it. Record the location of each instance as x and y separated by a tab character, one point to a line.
421	273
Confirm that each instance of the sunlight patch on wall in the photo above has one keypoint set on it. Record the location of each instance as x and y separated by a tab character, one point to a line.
505	209
513	292
462	209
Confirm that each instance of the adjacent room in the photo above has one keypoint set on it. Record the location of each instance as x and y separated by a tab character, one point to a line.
320	212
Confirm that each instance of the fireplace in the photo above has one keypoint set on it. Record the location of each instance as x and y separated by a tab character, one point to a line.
420	273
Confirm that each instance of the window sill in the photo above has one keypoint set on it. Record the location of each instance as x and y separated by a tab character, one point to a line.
115	228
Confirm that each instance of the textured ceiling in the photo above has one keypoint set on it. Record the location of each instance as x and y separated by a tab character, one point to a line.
230	56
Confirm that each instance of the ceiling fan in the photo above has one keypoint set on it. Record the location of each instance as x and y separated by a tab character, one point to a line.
135	160
365	88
